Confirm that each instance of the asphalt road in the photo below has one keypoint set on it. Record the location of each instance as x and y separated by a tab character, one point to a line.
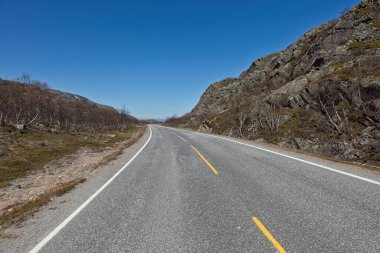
187	192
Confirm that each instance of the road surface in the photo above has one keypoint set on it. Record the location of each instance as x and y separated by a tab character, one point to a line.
189	192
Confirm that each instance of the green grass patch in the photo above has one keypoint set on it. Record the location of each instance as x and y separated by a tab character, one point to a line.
362	12
375	24
298	125
336	65
364	45
344	105
322	33
339	75
374	72
303	49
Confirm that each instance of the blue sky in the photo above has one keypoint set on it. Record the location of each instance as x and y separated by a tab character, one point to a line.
156	57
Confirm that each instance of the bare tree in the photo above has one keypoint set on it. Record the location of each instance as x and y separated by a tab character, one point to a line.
2	117
337	125
42	85
270	118
242	120
24	105
331	102
252	127
24	78
124	110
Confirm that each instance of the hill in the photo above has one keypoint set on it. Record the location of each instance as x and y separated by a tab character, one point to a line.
39	125
321	94
24	104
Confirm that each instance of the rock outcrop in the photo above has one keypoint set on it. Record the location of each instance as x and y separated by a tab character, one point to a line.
321	94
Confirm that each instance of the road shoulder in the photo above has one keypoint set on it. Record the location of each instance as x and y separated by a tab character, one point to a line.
363	171
25	235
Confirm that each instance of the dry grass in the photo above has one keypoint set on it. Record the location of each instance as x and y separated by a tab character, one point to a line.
19	212
61	144
23	153
120	150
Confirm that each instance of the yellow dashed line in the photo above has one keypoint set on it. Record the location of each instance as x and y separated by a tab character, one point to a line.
270	237
207	162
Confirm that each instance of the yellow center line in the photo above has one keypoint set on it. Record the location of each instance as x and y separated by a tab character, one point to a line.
182	138
204	159
270	237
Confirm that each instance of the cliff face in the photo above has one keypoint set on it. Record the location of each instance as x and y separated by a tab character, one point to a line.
320	94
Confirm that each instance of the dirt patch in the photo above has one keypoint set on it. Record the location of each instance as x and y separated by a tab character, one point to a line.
26	194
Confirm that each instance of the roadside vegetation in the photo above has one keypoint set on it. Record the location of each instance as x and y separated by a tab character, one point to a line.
23	153
39	127
25	104
39	175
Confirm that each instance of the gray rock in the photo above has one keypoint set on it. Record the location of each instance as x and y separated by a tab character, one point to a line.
326	82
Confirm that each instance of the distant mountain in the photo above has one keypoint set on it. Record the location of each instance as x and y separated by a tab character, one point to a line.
79	98
321	94
22	105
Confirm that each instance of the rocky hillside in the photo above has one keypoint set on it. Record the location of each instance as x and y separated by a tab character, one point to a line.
321	94
23	105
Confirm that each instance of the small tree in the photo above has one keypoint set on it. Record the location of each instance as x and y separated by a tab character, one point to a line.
242	121
125	110
24	78
42	85
270	118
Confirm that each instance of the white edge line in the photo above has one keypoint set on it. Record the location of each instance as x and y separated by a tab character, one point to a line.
44	241
291	157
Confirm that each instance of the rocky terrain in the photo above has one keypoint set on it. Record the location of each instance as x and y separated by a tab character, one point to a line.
321	94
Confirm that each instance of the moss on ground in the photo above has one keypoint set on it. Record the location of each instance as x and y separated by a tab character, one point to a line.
321	34
336	65
364	45
298	125
363	11
375	23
